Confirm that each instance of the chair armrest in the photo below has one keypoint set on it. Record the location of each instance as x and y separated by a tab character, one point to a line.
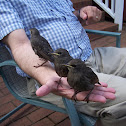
8	62
107	33
71	110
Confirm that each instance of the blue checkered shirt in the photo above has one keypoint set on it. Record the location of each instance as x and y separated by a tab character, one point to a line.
53	18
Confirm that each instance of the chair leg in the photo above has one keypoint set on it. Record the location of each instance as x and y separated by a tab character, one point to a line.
12	112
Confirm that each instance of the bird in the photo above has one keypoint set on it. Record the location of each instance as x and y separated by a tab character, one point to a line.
81	78
40	46
61	56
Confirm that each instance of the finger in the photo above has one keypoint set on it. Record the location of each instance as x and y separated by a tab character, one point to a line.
84	16
46	88
98	14
43	90
97	98
95	14
109	89
102	84
104	87
101	92
101	97
92	97
106	94
90	15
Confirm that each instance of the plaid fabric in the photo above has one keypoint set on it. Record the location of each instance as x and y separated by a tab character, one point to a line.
54	20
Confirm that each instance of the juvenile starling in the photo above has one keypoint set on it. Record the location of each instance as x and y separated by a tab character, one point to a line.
41	46
61	56
80	77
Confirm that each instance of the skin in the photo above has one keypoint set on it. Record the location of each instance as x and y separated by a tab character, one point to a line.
89	14
46	75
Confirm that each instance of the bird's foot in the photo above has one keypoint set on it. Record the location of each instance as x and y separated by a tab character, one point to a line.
59	83
87	97
74	96
39	65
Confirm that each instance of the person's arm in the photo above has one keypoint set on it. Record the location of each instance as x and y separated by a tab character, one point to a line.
25	57
89	13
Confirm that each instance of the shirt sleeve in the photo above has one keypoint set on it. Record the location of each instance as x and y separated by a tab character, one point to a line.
71	5
9	19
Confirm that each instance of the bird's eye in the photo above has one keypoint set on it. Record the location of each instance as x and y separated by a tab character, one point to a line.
73	65
59	53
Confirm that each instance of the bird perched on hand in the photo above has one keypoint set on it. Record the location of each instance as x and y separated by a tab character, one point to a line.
80	77
41	46
61	56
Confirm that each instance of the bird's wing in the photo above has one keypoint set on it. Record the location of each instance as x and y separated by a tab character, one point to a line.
89	72
73	79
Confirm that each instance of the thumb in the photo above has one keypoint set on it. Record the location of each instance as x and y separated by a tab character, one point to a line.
50	86
84	16
43	90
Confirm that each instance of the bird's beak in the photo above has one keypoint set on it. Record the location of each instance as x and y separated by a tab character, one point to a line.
67	65
54	54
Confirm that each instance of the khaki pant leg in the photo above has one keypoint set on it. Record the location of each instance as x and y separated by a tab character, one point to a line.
108	60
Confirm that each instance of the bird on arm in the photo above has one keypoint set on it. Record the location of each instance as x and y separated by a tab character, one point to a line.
81	78
41	46
61	56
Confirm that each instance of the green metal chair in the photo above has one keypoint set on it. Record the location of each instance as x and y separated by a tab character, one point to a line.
18	87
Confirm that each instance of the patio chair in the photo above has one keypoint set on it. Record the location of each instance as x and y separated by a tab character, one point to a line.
17	86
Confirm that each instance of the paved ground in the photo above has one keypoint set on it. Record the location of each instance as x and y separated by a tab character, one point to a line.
35	116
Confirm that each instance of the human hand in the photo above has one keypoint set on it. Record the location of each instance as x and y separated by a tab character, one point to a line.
90	14
99	94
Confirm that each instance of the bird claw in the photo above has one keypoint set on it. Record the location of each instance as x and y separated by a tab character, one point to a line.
75	99
39	65
74	96
59	83
87	97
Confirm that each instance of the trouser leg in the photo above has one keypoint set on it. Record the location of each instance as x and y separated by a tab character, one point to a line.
108	60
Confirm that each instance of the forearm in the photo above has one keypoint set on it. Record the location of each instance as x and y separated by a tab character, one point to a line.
26	58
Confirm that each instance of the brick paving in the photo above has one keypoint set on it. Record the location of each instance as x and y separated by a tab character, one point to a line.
35	116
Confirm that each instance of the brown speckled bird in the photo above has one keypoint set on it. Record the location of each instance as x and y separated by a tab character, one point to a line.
81	78
41	46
